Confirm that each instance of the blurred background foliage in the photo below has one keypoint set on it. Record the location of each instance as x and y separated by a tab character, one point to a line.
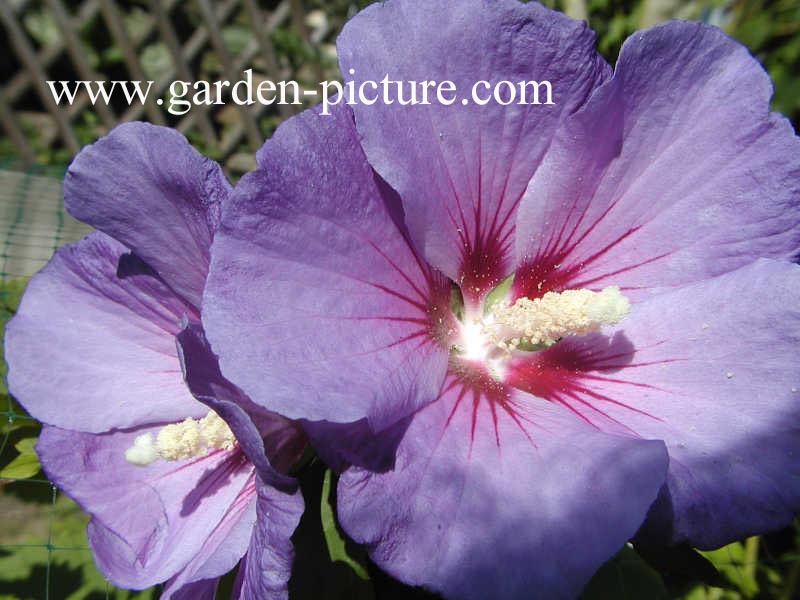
43	550
769	28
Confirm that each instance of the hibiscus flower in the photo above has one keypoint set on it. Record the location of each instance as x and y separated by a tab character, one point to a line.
561	321
176	494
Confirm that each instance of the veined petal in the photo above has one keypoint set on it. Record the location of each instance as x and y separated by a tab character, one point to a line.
711	369
92	346
666	176
145	186
149	523
505	493
461	169
316	303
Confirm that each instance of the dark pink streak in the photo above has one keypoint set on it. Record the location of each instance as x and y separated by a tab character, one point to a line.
483	266
566	373
555	268
488	398
485	250
548	272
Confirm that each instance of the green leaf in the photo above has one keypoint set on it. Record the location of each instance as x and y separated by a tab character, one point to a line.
42	26
26	464
336	544
738	562
13	417
236	38
156	60
498	294
10	294
314	575
456	302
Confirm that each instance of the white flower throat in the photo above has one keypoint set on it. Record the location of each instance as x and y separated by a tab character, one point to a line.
532	324
190	438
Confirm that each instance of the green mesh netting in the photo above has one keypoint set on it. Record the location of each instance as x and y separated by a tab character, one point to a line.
43	548
32	221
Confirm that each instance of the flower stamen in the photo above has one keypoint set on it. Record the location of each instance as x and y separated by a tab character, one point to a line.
555	315
190	438
531	325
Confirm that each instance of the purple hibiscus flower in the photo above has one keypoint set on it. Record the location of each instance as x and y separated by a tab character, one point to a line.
550	315
178	489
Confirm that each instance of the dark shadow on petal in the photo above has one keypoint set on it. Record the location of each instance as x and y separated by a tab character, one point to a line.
595	351
130	264
567	372
394	205
341	445
657	530
748	488
212	480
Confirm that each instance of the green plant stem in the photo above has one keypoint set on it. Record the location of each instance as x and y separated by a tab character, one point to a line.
751	556
791	582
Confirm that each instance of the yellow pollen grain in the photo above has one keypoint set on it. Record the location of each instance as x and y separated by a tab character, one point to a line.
191	438
216	432
181	440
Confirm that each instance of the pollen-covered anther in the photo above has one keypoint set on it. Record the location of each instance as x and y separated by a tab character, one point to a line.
555	315
190	438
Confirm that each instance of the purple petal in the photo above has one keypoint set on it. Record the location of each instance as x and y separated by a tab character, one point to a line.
268	564
147	187
92	350
461	170
495	494
149	523
673	172
265	571
316	304
219	554
712	370
252	426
